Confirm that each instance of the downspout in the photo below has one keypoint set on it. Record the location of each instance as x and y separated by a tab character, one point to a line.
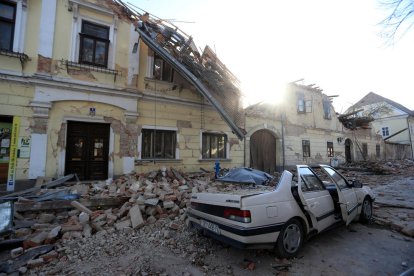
283	140
244	140
409	134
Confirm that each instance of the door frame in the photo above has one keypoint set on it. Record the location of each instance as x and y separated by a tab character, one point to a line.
62	157
275	143
348	199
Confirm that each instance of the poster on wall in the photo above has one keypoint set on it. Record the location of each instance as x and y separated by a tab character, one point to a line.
24	147
5	136
13	154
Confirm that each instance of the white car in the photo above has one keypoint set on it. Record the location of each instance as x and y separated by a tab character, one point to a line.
302	204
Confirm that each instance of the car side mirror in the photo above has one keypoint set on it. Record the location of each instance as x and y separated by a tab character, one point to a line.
356	183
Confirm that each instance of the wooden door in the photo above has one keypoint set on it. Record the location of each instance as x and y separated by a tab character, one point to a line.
87	150
263	151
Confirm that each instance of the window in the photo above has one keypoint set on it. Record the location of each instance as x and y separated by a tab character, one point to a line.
158	144
304	106
94	44
7	22
310	182
364	150
327	109
340	181
385	132
306	148
162	70
378	151
214	145
330	149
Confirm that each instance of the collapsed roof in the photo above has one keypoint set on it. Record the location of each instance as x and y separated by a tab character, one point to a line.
205	71
354	121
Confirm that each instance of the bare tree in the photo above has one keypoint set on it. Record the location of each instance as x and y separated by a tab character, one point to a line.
400	19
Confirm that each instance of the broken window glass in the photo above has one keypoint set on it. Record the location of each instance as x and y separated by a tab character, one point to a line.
214	145
301	103
327	109
158	144
306	148
330	149
94	44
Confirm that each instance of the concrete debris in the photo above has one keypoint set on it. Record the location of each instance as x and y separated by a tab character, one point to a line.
156	209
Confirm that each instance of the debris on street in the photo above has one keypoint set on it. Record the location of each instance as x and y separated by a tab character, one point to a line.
105	219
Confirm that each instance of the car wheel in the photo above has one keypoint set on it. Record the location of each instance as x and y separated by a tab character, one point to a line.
290	239
366	212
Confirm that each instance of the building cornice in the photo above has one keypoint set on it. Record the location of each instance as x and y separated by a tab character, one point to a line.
61	83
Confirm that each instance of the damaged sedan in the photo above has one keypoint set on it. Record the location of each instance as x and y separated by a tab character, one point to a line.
303	203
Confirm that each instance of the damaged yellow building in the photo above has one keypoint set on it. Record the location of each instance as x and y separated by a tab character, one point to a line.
94	100
93	88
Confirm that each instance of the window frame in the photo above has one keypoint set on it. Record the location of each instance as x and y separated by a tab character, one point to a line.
83	35
385	131
364	150
218	135
164	66
306	145
152	154
330	149
327	114
10	21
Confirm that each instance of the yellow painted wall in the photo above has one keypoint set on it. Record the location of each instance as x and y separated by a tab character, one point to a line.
176	115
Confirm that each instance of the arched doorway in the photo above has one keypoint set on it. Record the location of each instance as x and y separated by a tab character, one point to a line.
348	150
263	151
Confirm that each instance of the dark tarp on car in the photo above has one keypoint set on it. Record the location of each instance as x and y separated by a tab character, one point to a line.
247	176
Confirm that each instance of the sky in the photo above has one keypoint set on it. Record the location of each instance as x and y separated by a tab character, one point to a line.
335	44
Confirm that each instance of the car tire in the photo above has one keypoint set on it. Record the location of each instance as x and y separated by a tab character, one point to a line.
290	239
366	212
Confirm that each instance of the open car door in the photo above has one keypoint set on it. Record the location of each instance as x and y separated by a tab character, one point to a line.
315	199
347	196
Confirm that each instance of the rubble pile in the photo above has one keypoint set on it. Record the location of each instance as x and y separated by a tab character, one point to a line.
157	200
381	167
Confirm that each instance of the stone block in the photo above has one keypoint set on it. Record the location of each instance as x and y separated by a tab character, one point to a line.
151	201
151	220
54	232
122	224
151	211
46	218
136	217
149	195
83	218
16	252
183	188
140	200
87	231
40	237
100	217
35	263
135	186
21	232
168	204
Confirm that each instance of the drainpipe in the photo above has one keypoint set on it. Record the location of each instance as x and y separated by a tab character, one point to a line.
409	135
283	139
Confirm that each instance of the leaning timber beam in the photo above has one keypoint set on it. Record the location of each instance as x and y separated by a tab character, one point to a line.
192	79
